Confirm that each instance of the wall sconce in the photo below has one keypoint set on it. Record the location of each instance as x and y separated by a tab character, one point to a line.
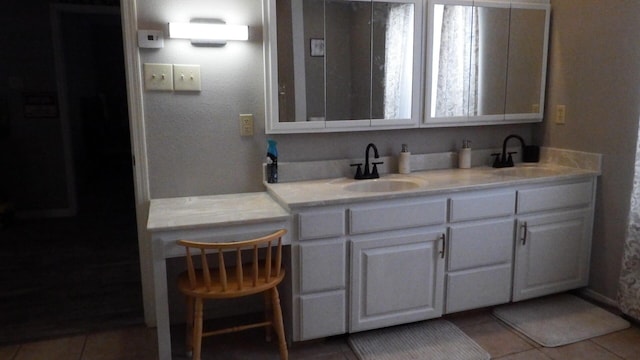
208	32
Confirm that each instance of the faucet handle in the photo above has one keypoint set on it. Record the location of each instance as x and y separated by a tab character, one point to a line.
374	172
358	171
496	160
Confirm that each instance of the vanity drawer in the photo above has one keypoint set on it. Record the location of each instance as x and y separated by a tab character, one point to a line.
323	315
468	290
478	245
321	224
397	215
322	265
482	206
555	197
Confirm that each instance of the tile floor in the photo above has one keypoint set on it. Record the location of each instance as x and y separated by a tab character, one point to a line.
139	343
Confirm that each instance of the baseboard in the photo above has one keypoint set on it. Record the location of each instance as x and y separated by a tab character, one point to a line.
595	296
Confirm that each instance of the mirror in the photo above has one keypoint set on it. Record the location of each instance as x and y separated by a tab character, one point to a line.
487	63
527	61
348	41
342	61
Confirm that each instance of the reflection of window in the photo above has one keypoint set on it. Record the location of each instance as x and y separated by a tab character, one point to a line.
454	80
398	62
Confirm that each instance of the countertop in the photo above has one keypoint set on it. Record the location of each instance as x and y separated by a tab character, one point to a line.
332	191
211	211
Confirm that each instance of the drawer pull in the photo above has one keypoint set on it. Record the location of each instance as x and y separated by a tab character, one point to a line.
444	244
524	233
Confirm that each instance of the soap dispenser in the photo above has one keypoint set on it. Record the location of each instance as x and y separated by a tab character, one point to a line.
404	161
464	155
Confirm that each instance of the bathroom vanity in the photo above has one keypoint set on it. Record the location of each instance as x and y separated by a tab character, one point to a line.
457	240
365	254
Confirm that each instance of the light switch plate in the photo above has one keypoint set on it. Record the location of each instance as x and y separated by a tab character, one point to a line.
186	78
158	77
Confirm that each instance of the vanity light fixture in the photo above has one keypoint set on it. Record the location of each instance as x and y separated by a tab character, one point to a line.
208	32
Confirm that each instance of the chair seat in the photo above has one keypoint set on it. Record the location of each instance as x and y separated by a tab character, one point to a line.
216	291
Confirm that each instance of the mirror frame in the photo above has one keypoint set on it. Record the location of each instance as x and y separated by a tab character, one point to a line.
274	126
532	117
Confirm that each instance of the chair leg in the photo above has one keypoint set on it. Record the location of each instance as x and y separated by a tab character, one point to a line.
197	346
190	329
278	323
268	314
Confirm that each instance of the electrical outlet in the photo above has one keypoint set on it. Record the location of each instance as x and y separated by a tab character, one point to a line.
246	124
158	77
561	113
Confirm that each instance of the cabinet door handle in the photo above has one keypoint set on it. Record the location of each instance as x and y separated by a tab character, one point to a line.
443	238
524	233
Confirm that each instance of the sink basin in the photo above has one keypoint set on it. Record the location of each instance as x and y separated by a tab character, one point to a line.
384	185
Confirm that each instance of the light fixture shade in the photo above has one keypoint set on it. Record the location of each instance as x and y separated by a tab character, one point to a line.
201	31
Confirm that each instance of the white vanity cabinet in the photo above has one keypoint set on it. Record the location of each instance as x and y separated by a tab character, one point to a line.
320	253
397	262
367	264
553	242
480	249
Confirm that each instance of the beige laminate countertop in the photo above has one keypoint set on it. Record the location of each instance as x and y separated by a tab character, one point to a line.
332	191
211	211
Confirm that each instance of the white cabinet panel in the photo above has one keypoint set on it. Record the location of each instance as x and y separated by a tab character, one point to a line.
552	253
323	314
483	205
479	265
396	215
395	279
484	244
321	224
555	197
322	266
478	288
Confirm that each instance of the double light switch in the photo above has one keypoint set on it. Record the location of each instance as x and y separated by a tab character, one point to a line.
167	77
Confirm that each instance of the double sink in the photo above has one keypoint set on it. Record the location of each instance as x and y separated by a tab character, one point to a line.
398	182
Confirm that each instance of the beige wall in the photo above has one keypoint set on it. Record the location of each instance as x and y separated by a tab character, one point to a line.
193	140
594	69
194	145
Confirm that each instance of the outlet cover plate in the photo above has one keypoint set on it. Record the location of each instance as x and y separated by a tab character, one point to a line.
246	124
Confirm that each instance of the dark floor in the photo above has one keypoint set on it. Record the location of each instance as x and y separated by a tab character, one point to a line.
73	275
139	343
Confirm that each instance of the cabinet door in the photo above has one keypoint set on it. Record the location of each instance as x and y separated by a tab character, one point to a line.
396	278
552	253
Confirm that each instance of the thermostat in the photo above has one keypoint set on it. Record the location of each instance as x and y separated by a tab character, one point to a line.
150	39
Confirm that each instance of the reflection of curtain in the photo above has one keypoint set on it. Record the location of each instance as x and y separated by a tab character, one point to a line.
629	284
398	62
457	74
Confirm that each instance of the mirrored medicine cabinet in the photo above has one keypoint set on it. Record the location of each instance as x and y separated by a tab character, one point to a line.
487	62
351	65
339	65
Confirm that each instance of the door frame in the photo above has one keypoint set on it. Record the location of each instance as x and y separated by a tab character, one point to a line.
129	18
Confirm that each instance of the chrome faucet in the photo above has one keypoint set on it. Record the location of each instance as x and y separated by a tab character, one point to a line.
373	174
506	159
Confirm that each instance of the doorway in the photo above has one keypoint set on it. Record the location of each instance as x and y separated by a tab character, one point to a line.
78	270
